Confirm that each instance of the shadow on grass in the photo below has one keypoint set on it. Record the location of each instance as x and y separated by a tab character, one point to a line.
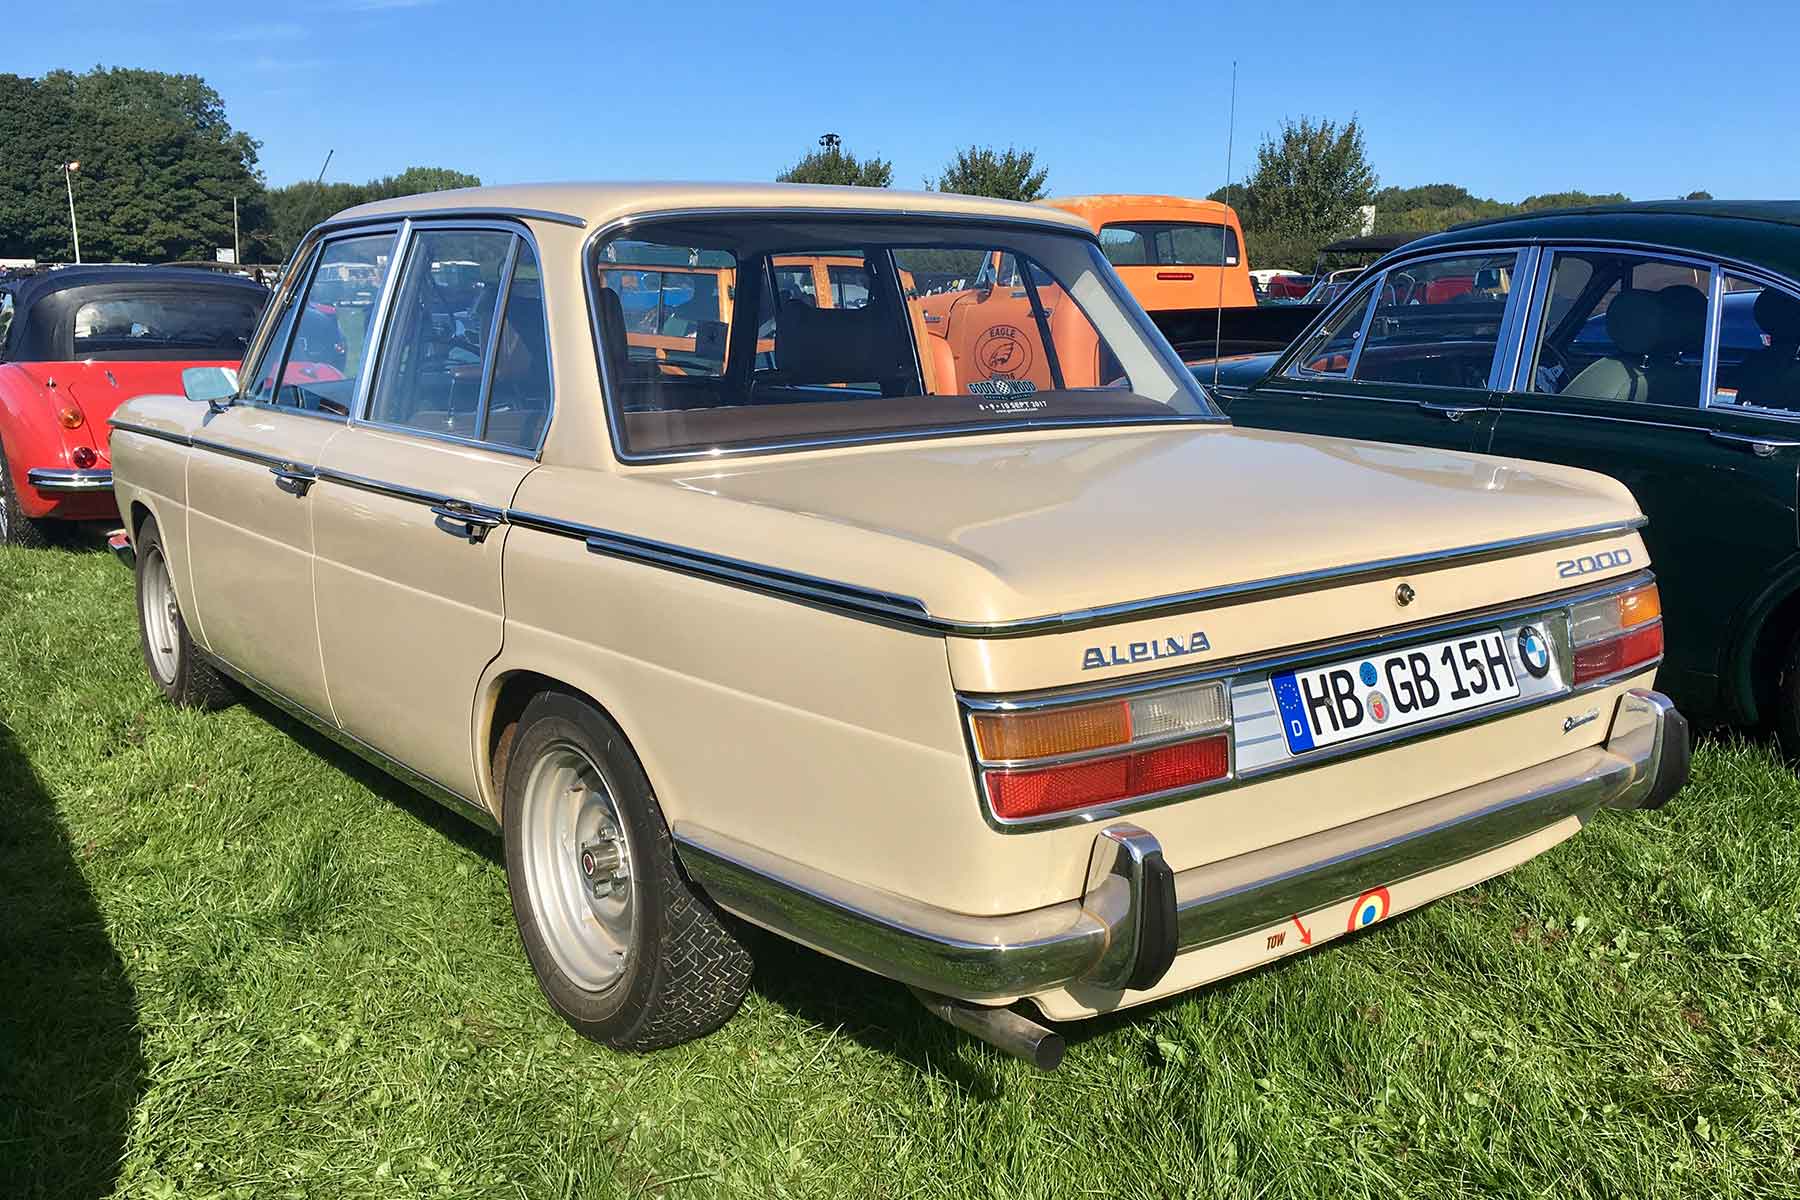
71	1055
454	826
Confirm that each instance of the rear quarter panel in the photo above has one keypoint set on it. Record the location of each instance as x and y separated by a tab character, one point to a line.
150	477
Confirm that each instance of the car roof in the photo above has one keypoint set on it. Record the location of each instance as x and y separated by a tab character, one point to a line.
1762	232
1119	206
598	204
45	303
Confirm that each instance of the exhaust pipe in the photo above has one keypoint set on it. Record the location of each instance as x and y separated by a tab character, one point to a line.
1001	1028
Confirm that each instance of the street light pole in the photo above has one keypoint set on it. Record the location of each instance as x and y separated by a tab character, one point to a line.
68	170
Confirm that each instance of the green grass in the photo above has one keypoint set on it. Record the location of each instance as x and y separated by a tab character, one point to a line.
235	962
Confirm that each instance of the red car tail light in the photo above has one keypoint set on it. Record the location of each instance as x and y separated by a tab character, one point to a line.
83	457
1615	633
69	417
1037	792
1037	761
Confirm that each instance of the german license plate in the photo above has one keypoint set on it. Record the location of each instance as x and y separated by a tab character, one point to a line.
1322	706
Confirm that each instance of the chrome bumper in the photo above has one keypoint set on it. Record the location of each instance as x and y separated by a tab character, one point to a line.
1136	914
62	479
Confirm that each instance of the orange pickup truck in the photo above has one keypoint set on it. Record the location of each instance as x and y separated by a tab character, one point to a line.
1173	253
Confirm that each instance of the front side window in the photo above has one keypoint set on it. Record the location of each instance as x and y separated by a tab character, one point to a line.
197	323
433	370
327	330
1437	322
1327	353
1623	326
1040	333
1169	244
1759	347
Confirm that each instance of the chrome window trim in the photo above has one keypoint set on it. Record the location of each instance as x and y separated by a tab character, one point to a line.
1291	368
1171	362
375	336
352	220
1518	311
1709	354
1253	670
294	277
451	222
1766	279
491	356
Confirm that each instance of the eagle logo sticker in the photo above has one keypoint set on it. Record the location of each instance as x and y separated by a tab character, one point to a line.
1003	352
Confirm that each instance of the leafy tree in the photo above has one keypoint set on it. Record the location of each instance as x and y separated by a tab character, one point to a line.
296	208
1698	196
1007	175
1309	182
1569	200
831	163
160	166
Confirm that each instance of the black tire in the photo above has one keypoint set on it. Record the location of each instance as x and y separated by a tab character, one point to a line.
180	669
685	972
1787	703
17	529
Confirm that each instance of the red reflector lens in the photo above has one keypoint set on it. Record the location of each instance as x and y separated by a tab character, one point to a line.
1617	654
1175	276
84	457
1034	793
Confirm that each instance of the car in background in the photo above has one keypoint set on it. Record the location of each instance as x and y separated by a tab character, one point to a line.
75	344
1656	342
1172	252
881	638
1283	287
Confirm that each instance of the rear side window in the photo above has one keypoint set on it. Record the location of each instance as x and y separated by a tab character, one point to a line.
1759	347
519	396
1437	322
1620	325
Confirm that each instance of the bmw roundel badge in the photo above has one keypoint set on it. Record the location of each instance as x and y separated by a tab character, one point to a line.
1534	652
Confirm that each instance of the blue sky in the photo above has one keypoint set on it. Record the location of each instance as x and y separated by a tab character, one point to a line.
1653	98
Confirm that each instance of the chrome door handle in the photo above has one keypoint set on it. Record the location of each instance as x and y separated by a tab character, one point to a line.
463	520
1760	446
1451	412
292	480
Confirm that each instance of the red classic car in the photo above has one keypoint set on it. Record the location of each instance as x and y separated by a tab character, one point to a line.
76	343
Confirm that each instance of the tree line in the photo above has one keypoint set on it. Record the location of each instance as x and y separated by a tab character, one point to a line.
160	168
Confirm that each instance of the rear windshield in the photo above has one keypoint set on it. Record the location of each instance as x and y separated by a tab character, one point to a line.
210	325
739	332
1169	244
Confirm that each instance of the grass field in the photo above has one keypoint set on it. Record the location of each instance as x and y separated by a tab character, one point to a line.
235	962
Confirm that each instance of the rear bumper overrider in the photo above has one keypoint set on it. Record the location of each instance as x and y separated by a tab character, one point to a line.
1137	914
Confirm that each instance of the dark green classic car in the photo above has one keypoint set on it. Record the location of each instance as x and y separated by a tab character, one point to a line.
1657	342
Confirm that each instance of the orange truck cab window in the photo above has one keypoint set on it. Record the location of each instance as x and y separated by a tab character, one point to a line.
1173	253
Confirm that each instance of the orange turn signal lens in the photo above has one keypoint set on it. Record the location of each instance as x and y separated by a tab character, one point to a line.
1008	736
69	416
1635	608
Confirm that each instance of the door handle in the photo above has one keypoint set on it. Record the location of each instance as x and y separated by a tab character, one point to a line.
1760	446
293	481
1452	412
462	520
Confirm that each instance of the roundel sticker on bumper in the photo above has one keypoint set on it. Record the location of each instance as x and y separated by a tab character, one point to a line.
1534	651
1371	907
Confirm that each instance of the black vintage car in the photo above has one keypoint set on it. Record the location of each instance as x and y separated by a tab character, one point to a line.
1656	342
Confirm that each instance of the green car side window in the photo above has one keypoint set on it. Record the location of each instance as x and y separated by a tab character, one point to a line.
1329	351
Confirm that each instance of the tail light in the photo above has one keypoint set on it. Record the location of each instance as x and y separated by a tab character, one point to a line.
1615	633
69	417
84	457
1041	761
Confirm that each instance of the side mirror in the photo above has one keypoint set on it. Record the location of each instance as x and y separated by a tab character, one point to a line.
217	386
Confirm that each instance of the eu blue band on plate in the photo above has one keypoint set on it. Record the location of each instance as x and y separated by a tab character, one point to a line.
1293	712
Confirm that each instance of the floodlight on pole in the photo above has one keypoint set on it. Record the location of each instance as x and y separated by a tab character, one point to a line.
68	170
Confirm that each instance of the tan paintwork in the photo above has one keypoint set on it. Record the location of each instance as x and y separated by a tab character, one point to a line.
809	734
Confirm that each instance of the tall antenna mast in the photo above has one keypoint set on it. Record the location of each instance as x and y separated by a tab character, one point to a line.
1219	311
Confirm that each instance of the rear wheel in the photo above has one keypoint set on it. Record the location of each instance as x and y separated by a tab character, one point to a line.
17	529
175	663
1787	703
625	949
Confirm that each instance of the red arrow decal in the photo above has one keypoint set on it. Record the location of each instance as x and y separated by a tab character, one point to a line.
1305	934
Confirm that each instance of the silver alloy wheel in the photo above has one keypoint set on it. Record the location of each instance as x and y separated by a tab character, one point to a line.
578	867
161	616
